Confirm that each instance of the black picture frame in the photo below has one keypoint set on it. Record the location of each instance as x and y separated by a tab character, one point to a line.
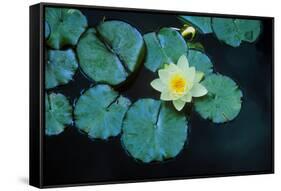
36	98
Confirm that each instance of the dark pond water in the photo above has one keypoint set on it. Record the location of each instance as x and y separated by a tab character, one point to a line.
243	145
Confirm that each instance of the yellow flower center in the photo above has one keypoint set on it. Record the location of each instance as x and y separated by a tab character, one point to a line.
178	84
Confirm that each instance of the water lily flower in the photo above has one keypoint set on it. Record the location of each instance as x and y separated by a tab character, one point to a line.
179	83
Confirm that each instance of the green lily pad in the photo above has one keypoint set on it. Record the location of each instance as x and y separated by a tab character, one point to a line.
99	112
200	61
163	47
249	29
234	31
153	131
202	24
125	41
154	55
58	113
111	53
223	101
226	30
66	26
196	46
98	62
47	30
61	66
172	43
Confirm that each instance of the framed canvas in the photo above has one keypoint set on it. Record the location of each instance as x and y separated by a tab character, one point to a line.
127	95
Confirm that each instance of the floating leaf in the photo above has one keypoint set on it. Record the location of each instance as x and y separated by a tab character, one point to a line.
61	66
172	43
110	53
196	46
226	30
234	31
203	24
125	41
153	131
100	111
47	30
98	62
163	48
66	26
249	29
223	101
154	55
200	61
58	113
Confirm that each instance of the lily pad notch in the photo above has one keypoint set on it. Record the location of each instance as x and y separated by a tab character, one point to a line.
153	131
228	30
111	52
223	101
99	112
58	113
163	47
234	31
65	26
60	67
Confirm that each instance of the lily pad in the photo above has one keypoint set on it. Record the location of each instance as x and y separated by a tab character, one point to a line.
234	31
111	53
154	56
223	101
66	26
47	30
58	113
200	61
153	131
125	40
196	46
61	66
249	29
202	24
163	47
99	112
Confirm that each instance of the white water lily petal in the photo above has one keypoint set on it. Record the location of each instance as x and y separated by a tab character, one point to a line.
179	83
172	67
163	75
183	62
187	97
198	76
158	85
166	96
190	74
179	104
175	96
198	90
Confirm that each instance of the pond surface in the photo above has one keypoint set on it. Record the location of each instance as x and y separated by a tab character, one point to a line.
243	145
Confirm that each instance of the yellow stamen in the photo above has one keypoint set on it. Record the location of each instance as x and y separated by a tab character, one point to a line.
178	84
